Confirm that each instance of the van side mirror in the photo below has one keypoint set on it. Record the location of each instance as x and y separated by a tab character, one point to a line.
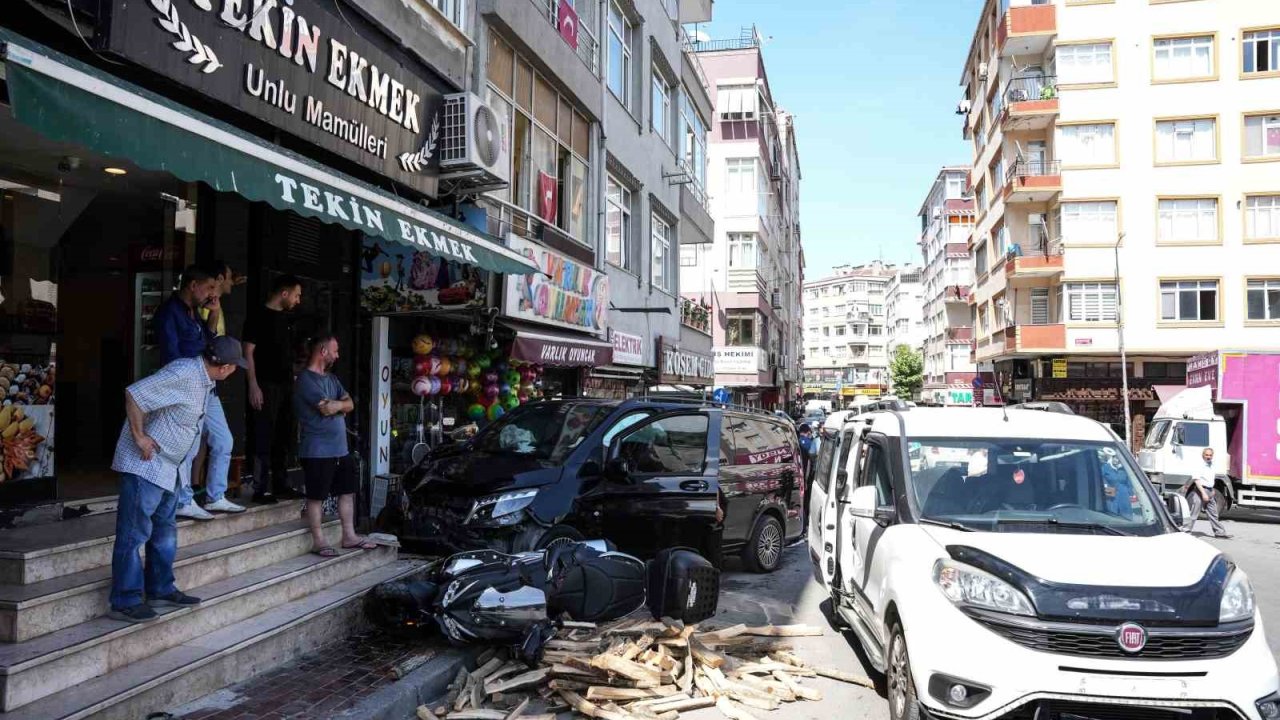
1176	503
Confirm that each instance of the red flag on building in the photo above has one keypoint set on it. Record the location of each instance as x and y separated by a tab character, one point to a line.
567	19
547	196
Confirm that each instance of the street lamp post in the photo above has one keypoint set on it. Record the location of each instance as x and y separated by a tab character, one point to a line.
1124	364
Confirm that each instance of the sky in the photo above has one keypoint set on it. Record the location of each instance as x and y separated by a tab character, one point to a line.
873	85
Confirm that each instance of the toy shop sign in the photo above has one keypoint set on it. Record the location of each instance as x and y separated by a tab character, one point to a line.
565	292
560	351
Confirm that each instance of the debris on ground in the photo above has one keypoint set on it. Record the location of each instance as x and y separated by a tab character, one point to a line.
641	670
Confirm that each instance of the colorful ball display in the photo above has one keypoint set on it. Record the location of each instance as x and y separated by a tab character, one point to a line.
496	411
483	361
421	386
473	371
491	377
446	386
475	411
422	365
512	402
423	345
490	392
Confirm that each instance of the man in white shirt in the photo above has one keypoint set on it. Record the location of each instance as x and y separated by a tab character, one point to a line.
1204	480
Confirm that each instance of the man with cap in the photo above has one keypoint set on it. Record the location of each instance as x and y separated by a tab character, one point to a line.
164	417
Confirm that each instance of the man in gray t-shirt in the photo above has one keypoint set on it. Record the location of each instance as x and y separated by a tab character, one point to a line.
321	405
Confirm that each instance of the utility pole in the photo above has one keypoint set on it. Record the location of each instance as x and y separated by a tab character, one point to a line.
1124	364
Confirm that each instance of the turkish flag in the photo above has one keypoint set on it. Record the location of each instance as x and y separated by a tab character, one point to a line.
547	196
567	19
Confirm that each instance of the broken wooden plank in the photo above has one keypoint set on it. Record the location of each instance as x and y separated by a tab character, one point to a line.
784	631
588	708
600	692
686	678
683	705
477	695
486	656
518	710
783	656
573	646
625	668
722	634
672	627
769	668
511	668
660	700
569	671
424	713
464	695
732	710
408	665
455	687
577	625
704	654
843	676
771	687
533	677
476	715
801	691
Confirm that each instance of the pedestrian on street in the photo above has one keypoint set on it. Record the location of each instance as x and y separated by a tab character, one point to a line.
183	333
269	350
321	404
807	447
164	413
212	313
1204	479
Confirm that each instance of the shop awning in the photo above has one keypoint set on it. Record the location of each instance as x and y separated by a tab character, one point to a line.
559	349
69	101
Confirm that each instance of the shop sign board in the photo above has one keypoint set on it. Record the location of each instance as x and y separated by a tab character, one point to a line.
628	349
396	278
681	365
739	360
565	292
1059	368
958	396
380	410
337	82
1202	371
558	351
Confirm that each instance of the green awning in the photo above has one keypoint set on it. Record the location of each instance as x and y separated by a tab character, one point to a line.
69	101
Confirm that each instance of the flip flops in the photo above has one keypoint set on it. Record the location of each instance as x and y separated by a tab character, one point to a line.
364	544
326	551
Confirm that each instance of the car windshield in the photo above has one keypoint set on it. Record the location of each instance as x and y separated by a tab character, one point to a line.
543	431
1019	485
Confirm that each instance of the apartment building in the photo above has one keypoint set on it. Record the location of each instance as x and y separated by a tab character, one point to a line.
946	222
1124	177
750	276
845	333
904	309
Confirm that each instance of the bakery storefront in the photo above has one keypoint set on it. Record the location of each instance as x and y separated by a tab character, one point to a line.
119	167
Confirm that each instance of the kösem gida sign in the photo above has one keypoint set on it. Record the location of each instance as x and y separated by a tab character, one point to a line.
297	65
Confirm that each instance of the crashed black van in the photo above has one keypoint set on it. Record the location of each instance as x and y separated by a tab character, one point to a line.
646	474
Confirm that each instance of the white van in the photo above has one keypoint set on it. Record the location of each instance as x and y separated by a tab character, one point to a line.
1043	578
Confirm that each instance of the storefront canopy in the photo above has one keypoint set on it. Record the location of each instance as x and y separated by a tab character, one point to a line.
69	101
556	349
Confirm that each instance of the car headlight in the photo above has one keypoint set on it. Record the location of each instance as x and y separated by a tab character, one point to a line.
502	509
1237	598
968	586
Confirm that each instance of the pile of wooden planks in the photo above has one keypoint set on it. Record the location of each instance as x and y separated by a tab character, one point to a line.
641	670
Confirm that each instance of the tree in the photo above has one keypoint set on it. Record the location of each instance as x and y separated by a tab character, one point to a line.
906	371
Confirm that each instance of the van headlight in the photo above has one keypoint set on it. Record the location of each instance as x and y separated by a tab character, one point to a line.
967	586
1237	598
504	509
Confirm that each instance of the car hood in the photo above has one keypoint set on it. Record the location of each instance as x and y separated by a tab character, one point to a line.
477	473
1169	560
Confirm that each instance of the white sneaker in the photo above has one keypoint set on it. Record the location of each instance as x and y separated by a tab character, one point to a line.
194	511
225	506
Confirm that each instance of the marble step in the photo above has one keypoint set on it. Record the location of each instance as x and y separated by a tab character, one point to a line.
232	653
28	611
50	664
43	552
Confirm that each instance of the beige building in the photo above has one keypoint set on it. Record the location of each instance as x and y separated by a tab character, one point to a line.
1124	174
946	223
846	336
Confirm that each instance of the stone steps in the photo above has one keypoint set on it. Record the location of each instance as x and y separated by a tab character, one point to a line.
28	611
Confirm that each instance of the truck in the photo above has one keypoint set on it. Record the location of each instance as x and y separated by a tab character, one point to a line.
1231	404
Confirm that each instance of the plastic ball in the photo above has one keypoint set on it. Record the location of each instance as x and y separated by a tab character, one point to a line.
422	365
502	366
423	345
523	397
421	386
475	411
483	361
504	390
513	377
527	388
491	392
490	377
459	366
512	402
496	411
461	384
473	371
445	366
446	386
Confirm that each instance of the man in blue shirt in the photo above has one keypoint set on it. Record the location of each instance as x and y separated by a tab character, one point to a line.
321	404
184	332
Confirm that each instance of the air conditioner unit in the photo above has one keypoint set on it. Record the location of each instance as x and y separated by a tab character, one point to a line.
775	299
475	146
937	213
982	72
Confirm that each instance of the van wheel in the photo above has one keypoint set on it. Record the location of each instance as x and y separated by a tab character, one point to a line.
764	550
901	689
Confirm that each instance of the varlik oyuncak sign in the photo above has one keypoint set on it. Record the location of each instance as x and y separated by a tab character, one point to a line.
565	292
296	65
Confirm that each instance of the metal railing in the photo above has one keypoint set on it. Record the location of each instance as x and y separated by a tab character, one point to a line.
956	292
1032	168
588	45
961	334
1032	87
695	315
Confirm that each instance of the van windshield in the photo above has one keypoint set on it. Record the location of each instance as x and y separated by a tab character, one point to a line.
1020	485
543	431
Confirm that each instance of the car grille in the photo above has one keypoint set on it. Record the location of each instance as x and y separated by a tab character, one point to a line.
1065	710
1162	644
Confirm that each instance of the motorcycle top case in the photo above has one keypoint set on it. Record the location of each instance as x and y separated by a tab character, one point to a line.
683	585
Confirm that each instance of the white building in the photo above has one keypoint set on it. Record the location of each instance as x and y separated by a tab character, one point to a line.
904	309
946	223
1151	126
845	333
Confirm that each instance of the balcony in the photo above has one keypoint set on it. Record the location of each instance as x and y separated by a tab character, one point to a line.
1035	338
695	314
1027	28
956	293
1037	259
1031	103
1032	181
959	335
587	44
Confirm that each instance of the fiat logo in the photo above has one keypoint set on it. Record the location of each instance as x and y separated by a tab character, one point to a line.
1131	638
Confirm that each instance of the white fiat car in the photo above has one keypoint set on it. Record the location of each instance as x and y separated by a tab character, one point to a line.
1041	579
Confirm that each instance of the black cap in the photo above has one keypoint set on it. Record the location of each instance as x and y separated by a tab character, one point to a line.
225	350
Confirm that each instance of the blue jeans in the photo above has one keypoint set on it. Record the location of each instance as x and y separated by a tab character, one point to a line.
220	441
144	516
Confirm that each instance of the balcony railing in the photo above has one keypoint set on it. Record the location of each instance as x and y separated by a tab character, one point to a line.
957	292
1034	87
1037	244
1032	168
587	43
696	315
962	334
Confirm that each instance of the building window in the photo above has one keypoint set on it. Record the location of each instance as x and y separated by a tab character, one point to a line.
1184	58
693	152
744	252
688	256
740	328
1087	144
1081	64
1090	301
737	102
618	225
840	331
1263	299
1188	220
1262	217
877	309
1165	370
980	260
875	330
826	331
955	187
453	10
661	236
1262	51
1189	301
1088	222
1193	140
1262	136
620	32
661	107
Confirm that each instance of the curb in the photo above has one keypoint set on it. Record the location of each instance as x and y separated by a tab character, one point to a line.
400	700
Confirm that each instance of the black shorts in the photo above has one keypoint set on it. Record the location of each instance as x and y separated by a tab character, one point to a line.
328	476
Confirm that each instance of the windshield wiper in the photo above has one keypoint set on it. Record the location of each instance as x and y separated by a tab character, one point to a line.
946	524
1055	522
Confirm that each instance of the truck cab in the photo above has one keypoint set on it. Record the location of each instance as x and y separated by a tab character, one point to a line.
1172	450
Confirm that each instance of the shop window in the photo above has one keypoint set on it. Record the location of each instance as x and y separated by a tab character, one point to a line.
1176	371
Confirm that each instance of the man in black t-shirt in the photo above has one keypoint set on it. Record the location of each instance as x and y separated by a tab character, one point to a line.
268	347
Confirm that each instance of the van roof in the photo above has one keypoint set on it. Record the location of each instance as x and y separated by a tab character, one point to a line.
982	423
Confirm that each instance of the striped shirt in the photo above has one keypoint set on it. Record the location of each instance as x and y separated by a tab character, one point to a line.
174	401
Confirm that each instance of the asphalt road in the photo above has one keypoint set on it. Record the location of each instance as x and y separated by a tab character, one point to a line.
1254	547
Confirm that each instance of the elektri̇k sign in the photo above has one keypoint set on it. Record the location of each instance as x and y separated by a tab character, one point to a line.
337	82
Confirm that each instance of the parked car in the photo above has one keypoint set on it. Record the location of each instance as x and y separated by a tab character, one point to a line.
645	473
1043	578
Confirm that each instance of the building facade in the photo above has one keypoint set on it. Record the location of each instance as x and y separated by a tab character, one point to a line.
1123	184
904	309
946	222
750	276
846	333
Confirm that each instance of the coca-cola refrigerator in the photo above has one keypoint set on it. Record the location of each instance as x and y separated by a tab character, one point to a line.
154	270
